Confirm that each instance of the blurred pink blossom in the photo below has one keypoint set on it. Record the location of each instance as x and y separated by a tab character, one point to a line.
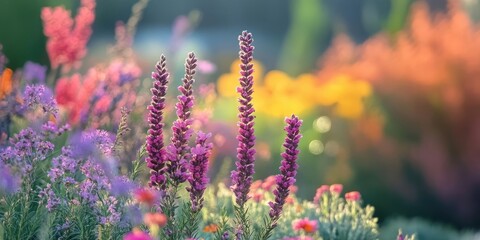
353	196
137	234
66	37
305	224
206	67
336	188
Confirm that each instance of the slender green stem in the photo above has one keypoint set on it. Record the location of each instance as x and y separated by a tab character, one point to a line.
169	207
243	223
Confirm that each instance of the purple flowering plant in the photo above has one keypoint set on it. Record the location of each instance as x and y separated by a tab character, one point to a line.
178	163
61	181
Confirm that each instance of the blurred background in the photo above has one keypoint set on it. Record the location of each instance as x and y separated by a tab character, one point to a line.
388	89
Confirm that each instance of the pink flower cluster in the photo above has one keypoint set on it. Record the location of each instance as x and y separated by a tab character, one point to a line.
335	189
67	37
99	91
260	187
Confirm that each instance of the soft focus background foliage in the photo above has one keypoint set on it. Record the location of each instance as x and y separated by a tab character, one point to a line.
388	90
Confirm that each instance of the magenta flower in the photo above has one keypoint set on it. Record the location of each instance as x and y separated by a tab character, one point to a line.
242	177
156	159
305	224
288	168
298	238
198	170
178	150
137	234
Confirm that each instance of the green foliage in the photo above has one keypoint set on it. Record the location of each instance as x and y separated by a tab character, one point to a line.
422	229
21	214
398	14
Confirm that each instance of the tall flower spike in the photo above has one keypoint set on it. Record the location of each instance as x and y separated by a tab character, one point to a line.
243	175
288	168
198	170
156	159
178	150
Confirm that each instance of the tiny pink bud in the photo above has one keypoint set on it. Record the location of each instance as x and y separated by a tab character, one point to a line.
320	191
353	196
336	188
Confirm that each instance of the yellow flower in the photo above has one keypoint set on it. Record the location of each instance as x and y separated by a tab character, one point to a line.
281	96
227	83
346	93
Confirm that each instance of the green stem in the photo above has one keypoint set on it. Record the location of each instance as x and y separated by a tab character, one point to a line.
241	215
168	208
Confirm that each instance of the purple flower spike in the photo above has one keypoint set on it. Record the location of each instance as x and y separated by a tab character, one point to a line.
156	159
242	177
178	150
288	168
198	170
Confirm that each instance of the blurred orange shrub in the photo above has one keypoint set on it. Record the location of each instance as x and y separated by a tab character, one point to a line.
427	80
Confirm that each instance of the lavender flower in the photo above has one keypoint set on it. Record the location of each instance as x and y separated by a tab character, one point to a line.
156	159
28	147
225	236
198	169
34	71
64	166
9	183
50	129
288	168
40	95
52	199
243	175
111	214
122	186
178	150
101	139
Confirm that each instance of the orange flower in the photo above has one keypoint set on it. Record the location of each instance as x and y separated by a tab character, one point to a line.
6	83
158	219
212	228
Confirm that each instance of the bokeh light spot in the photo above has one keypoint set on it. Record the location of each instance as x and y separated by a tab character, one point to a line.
316	147
322	124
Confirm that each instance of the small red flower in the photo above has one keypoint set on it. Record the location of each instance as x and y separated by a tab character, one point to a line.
145	196
305	224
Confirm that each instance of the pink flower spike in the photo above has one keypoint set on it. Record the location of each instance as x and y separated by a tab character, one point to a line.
336	188
353	196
